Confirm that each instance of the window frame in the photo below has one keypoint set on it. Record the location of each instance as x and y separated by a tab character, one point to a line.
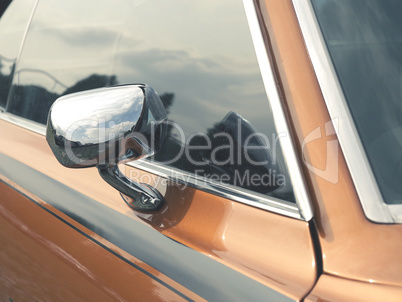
362	174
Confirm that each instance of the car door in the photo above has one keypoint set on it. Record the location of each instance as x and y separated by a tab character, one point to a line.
236	223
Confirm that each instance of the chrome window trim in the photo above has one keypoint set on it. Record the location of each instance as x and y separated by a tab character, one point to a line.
231	192
23	122
297	180
368	191
301	210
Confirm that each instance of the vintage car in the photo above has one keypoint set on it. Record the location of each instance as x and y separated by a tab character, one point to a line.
200	150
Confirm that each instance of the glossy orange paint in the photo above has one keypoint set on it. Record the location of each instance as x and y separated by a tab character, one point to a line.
331	288
57	262
352	246
272	249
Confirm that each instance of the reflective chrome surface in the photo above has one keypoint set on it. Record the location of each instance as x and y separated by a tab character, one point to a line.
140	197
238	194
270	84
84	127
372	202
24	123
107	126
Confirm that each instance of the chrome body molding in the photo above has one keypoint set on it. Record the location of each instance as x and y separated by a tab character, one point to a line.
368	191
23	122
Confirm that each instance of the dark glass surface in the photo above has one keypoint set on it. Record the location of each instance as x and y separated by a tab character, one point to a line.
198	56
3	6
364	39
14	18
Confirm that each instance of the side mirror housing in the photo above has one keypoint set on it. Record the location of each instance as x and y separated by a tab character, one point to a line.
107	126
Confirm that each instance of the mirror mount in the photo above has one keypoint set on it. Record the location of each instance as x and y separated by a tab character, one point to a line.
107	126
138	196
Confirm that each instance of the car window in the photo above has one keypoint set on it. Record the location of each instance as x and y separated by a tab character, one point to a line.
13	22
365	49
198	56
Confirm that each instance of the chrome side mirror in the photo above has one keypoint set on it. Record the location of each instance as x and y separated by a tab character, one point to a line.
107	126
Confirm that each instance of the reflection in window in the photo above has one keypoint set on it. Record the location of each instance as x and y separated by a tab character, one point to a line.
364	39
198	56
12	27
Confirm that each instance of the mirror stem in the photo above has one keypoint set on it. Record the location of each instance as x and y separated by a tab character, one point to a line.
142	197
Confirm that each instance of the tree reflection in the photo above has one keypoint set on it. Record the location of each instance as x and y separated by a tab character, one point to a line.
34	101
92	82
5	80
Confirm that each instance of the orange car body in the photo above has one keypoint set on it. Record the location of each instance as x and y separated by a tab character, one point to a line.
201	246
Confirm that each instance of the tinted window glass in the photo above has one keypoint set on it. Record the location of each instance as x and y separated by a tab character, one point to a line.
3	6
12	27
364	40
198	56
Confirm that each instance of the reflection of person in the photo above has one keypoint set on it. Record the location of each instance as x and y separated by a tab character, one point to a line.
231	152
243	154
